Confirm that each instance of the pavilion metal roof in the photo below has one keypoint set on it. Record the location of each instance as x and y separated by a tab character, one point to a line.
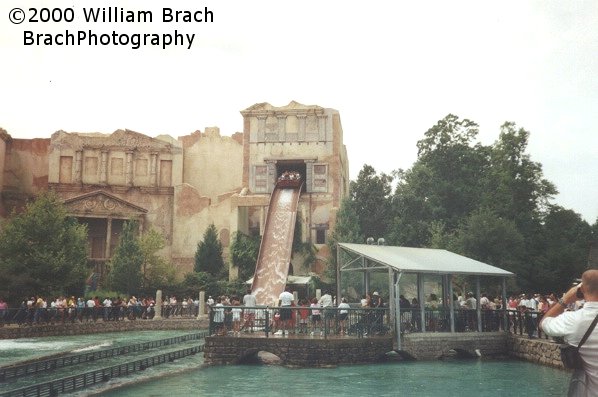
423	260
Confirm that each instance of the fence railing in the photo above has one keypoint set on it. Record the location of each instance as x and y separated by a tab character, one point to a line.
90	378
33	316
321	321
438	320
234	320
20	370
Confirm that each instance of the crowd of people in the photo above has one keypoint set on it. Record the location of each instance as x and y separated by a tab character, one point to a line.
309	316
39	310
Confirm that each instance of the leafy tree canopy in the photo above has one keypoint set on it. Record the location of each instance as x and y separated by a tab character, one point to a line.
42	251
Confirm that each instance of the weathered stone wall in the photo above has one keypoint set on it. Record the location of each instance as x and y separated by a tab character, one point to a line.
433	346
298	352
26	167
14	332
540	351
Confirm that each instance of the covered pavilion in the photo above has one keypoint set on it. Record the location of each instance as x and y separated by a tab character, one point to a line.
418	263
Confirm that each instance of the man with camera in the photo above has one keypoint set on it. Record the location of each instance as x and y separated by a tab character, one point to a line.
572	325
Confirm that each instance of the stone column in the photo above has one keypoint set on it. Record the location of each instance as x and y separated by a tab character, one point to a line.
261	127
154	169
322	127
301	133
108	237
309	175
201	312
78	166
282	126
129	168
104	168
158	306
271	176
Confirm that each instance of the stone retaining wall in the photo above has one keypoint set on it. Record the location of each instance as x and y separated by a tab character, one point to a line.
433	346
298	352
14	332
540	351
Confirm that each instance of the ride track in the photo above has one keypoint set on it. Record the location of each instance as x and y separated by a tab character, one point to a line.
272	266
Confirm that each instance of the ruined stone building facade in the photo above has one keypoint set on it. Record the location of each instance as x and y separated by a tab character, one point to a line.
181	186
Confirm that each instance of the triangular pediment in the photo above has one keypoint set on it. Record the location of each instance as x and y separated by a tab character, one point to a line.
101	203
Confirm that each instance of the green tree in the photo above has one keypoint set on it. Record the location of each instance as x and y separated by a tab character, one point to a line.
370	196
42	251
566	237
125	266
157	273
208	257
243	253
346	230
516	188
491	239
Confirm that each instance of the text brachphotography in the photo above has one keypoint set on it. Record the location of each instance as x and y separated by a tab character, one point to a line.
114	38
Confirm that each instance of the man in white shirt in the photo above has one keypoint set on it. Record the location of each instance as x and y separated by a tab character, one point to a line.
572	325
249	302
285	301
326	302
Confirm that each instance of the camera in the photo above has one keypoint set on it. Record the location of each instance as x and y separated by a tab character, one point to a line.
578	293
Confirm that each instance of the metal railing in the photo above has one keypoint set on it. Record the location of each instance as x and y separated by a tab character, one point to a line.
90	378
33	316
19	370
321	321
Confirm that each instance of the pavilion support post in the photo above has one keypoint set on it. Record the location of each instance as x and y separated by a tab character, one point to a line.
478	306
338	275
449	279
397	323
366	277
391	297
421	297
505	317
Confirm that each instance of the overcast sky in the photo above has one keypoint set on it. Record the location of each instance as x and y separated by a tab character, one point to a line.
392	69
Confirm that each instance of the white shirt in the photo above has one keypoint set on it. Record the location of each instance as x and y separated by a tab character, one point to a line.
344	306
325	300
572	326
286	298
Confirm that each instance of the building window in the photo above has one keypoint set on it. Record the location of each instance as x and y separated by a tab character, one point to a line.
320	236
260	179
320	178
321	229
